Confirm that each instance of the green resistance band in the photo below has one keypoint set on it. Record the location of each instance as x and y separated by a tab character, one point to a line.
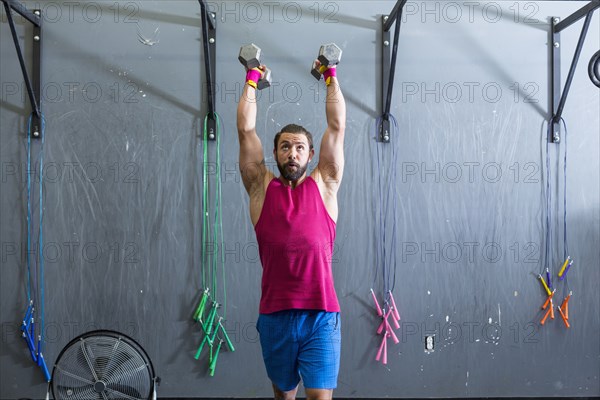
212	325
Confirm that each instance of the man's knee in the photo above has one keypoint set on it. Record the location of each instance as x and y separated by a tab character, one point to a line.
319	394
281	395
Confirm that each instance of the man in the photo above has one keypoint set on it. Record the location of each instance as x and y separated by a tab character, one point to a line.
294	217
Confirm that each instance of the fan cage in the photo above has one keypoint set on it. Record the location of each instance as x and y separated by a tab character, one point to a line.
103	365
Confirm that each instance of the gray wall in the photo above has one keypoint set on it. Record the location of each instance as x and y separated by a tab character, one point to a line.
123	191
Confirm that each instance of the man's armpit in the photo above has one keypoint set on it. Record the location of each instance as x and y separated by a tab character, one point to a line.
330	172
252	171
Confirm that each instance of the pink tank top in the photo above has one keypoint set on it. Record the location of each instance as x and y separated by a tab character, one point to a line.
295	237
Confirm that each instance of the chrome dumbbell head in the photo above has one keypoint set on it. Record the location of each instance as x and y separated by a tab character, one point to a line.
250	56
265	81
330	54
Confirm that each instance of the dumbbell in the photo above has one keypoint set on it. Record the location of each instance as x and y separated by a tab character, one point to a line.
329	55
250	58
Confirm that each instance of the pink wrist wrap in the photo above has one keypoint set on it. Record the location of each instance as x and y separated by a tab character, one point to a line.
253	76
329	72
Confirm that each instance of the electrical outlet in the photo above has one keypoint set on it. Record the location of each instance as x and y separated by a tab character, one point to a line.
429	343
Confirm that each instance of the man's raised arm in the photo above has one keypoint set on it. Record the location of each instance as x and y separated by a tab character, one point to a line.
252	165
331	157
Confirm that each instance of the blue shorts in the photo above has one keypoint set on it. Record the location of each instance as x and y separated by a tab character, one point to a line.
301	344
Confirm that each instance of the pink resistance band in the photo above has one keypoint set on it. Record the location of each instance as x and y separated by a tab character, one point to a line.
253	76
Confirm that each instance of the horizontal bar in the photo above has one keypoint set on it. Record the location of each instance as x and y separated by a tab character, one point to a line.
393	15
25	13
577	15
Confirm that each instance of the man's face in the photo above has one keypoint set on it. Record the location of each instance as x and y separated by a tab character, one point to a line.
293	155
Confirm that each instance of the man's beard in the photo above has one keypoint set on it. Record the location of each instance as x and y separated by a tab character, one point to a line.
290	174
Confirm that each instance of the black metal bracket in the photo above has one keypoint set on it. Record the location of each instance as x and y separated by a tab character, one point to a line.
557	101
388	66
209	33
34	84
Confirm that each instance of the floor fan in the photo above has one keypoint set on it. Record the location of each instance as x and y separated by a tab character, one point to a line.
103	365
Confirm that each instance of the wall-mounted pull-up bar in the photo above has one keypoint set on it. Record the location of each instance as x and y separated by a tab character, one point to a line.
209	33
389	66
34	84
557	101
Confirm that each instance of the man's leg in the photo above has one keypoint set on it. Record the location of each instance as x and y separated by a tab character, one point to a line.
280	352
281	395
319	355
319	394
